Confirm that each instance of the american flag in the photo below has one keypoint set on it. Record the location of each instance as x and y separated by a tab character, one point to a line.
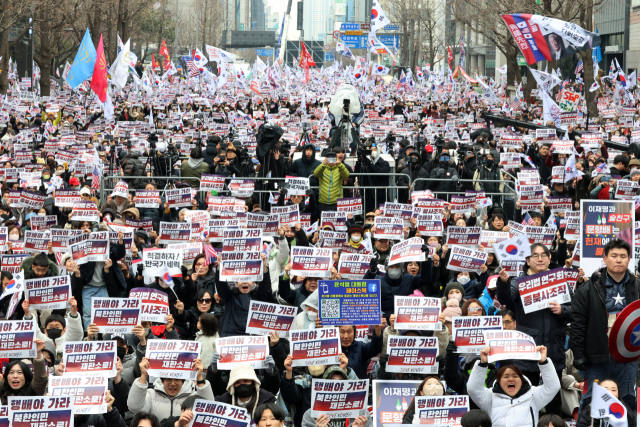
193	68
95	179
579	67
210	254
527	220
515	105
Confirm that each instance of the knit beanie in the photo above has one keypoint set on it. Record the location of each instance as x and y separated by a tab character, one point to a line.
453	285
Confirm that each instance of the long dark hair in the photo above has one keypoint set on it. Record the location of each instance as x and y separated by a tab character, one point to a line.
209	324
207	268
144	416
25	390
412	405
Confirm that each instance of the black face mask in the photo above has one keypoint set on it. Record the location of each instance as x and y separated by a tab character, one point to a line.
54	333
489	164
121	352
244	390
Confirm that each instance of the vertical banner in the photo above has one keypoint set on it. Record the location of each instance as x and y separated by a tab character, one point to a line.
602	221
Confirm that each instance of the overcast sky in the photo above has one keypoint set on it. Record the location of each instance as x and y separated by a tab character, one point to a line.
280	6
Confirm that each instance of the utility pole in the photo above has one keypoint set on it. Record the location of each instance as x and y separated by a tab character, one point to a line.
197	19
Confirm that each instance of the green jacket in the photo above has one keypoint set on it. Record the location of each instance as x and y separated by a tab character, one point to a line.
331	178
186	170
28	272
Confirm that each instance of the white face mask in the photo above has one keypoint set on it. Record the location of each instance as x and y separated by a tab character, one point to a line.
463	280
394	273
356	239
312	315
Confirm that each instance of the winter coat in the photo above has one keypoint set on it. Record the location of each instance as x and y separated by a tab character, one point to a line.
209	153
73	332
304	168
377	184
309	421
156	401
485	179
259	396
589	319
114	279
187	170
208	347
446	182
359	354
456	376
402	286
111	419
543	326
519	411
132	166
330	181
413	174
236	306
293	297
28	271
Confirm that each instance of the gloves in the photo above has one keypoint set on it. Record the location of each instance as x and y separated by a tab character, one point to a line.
140	268
452	347
269	365
383	361
214	362
455	178
373	264
185	272
425	249
309	192
580	364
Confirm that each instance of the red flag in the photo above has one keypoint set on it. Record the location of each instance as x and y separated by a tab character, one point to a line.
306	60
449	55
154	64
165	53
99	82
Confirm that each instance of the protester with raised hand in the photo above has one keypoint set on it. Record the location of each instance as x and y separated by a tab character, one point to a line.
55	326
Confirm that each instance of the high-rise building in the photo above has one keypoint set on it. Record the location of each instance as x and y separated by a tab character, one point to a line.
257	15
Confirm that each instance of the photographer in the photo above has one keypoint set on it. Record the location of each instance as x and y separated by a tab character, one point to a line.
194	167
239	160
330	174
446	174
489	179
468	166
373	165
305	165
414	171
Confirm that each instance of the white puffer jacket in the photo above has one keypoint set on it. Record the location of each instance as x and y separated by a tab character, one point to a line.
519	412
158	402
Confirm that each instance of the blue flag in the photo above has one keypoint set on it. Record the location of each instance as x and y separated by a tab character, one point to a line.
84	62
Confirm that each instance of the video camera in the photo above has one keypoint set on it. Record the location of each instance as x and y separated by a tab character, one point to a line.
346	103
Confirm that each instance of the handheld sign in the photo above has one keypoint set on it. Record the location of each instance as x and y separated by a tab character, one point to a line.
467	331
538	290
296	186
463	204
407	251
464	259
350	205
156	262
388	228
336	220
17	339
115	315
173	358
241	266
147	199
311	262
48	410
441	410
265	317
416	355
87	393
208	414
417	313
510	345
463	236
48	293
315	347
387	398
339	398
349	302
242	350
89	358
353	266
155	304
180	197
175	232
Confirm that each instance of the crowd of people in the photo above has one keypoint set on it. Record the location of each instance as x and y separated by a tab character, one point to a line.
428	140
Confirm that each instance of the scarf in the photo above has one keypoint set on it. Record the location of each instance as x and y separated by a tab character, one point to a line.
194	163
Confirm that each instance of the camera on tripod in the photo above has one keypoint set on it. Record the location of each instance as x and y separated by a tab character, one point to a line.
346	103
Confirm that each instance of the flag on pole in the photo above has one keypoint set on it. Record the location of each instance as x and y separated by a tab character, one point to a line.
210	254
579	67
378	17
99	81
527	220
95	179
605	405
84	62
449	55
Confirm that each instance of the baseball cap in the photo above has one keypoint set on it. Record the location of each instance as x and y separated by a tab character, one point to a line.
85	190
74	181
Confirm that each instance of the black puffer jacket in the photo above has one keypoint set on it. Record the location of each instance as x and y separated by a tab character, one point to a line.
304	167
210	152
543	326
589	317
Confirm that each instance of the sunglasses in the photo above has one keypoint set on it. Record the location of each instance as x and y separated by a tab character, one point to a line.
204	300
474	309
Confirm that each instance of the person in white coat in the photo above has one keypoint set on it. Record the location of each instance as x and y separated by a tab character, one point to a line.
513	402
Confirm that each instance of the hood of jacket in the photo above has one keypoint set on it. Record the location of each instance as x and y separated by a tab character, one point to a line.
523	394
28	272
185	391
304	158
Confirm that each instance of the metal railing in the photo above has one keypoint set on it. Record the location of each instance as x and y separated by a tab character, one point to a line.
508	189
107	183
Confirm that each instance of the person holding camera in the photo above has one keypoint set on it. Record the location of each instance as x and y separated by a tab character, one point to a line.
330	175
468	167
408	176
487	176
377	184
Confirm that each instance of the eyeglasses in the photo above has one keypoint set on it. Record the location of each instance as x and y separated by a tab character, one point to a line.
204	300
543	255
507	322
474	309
